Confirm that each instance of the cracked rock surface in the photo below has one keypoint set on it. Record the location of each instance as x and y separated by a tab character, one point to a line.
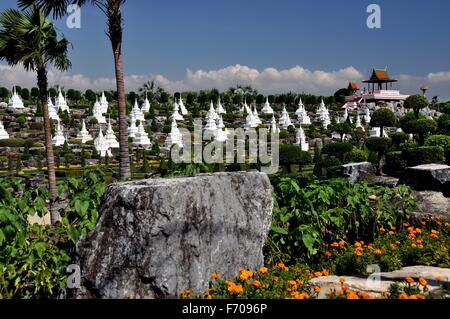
156	237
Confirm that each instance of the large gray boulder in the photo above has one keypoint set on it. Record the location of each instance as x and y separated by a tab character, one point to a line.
156	237
428	177
358	172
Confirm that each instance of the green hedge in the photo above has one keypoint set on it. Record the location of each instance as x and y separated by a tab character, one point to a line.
438	140
12	142
395	163
424	155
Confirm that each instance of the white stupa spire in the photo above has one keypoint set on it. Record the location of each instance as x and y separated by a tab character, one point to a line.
324	115
111	138
183	109
141	140
211	127
59	138
303	117
104	103
3	134
358	121
273	126
84	135
175	114
101	145
267	109
51	110
256	116
175	136
15	102
212	112
220	109
98	112
61	103
285	120
301	139
146	105
132	130
136	111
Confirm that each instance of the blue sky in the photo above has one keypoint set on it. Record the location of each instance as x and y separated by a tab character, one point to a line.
163	39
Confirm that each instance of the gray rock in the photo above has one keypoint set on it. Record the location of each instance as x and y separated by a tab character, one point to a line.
156	237
429	177
432	203
378	283
358	171
384	181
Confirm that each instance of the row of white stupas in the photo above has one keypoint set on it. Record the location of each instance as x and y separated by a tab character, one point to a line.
100	108
15	102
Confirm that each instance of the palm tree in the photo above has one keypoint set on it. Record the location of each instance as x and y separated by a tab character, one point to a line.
112	10
30	39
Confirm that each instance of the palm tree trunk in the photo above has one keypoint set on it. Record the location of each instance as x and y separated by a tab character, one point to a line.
115	36
43	97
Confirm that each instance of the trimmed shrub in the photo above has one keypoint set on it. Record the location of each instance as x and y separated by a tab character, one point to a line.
37	126
395	163
438	140
12	142
424	155
355	156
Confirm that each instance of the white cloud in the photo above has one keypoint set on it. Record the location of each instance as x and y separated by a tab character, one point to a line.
269	80
439	77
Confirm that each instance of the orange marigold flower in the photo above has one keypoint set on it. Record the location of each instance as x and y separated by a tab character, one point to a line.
447	225
357	244
419	242
275	278
317	289
318	274
292	282
342	244
434	236
358	253
420	296
256	283
391	233
325	272
423	282
263	270
403	296
215	276
405	225
418	230
393	228
334	245
413	245
328	254
397	242
382	230
409	280
434	232
281	265
377	252
300	282
413	297
352	296
341	280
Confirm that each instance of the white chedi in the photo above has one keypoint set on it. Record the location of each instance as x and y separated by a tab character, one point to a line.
303	117
285	120
344	116
222	131
212	112
367	117
267	109
84	135
273	126
141	140
15	102
324	115
301	140
101	145
104	103
245	108
183	109
52	110
61	103
175	112
137	112
132	130
146	105
220	108
111	138
174	137
98	113
59	138
256	116
250	121
211	126
3	133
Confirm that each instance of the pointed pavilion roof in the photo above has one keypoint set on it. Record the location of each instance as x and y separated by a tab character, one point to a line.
380	76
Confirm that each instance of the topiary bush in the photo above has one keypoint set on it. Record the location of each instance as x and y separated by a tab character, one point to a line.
395	163
438	140
355	156
424	155
12	142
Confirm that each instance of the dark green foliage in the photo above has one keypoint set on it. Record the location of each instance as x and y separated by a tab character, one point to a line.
416	102
395	163
292	154
306	216
399	138
12	142
338	149
383	118
424	155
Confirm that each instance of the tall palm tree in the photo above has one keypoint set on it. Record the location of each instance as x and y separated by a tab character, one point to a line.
30	39
113	11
